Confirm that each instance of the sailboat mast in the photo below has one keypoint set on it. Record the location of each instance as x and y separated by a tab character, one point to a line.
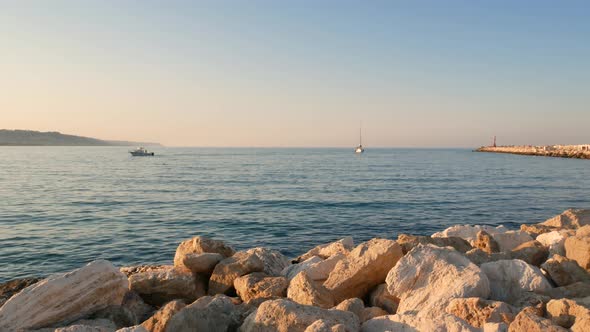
361	135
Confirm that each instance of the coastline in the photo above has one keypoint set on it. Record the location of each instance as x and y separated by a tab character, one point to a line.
467	278
557	151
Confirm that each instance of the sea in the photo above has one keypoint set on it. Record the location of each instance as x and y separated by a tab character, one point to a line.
62	207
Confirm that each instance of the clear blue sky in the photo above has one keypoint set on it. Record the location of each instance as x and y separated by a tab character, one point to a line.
299	73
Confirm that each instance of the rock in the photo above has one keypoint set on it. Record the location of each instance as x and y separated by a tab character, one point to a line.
159	286
577	289
414	323
229	269
284	315
8	289
569	219
354	305
478	256
564	271
530	299
555	241
578	248
372	312
119	315
511	239
320	271
495	327
478	312
528	321
510	278
200	245
486	242
321	325
63	298
212	314
137	328
259	285
201	263
566	313
469	232
264	260
304	290
380	297
343	246
532	252
408	242
103	325
135	304
425	280
159	321
131	270
291	271
365	267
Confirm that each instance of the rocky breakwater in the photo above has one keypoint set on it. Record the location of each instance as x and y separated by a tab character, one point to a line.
561	151
464	278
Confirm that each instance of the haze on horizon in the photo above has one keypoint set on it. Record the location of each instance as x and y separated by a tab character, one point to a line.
299	73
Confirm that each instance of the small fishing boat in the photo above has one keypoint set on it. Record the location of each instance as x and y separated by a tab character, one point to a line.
141	152
360	149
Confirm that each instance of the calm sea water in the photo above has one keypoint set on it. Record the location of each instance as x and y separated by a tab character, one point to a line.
61	207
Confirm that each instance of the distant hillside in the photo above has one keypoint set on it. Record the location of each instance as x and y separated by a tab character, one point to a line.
53	138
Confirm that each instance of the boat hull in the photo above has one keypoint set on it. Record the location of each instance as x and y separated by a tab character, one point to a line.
141	154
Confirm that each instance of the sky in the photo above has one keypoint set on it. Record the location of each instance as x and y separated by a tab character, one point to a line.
299	73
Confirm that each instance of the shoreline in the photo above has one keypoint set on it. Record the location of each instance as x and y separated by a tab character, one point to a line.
466	277
555	151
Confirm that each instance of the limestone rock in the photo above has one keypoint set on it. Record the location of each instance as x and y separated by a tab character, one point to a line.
495	327
530	299
259	285
320	271
408	242
469	232
532	252
372	312
354	305
511	239
486	242
212	314
365	267
380	297
229	269
8	289
201	263
510	278
304	290
564	271
321	325
343	246
291	271
64	297
119	315
131	270
287	316
555	241
88	326
414	323
478	256
136	328
574	314
135	304
200	245
529	321
577	289
578	248
159	286
159	321
478	312
274	262
569	219
427	278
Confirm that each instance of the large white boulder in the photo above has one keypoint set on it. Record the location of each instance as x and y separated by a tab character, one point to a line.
555	241
469	232
428	277
364	268
415	323
200	245
287	316
167	283
510	278
511	239
212	314
292	270
64	298
343	246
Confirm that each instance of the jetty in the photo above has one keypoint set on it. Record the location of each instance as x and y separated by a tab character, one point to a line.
581	151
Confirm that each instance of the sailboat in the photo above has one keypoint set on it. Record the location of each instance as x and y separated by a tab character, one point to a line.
360	149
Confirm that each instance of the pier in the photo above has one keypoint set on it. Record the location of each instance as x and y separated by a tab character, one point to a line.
581	151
